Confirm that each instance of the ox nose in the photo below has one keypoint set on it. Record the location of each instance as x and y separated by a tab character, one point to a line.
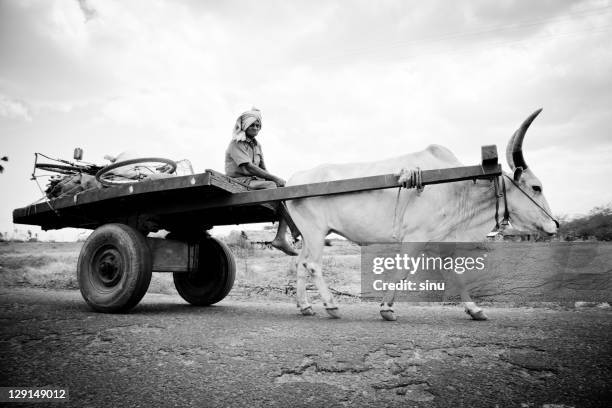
551	227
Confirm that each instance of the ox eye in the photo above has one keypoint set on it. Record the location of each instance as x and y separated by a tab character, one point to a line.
537	189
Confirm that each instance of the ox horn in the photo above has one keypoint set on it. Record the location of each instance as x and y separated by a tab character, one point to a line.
514	150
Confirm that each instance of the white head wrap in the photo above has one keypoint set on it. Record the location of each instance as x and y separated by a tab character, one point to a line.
243	122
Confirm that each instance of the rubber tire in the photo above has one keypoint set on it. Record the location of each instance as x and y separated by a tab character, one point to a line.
100	174
135	271
214	278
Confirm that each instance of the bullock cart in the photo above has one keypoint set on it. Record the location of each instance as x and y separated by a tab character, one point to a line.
116	261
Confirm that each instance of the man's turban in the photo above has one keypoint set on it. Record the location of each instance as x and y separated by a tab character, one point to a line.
244	121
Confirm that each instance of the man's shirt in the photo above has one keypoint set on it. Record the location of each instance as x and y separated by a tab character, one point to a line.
240	152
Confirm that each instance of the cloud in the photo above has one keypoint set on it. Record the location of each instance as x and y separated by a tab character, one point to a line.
47	53
14	109
88	11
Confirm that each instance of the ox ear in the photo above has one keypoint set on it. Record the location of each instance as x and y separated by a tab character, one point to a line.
518	172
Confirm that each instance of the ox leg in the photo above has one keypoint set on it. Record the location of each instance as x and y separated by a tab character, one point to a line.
328	300
470	307
386	307
313	229
314	268
312	262
302	297
309	262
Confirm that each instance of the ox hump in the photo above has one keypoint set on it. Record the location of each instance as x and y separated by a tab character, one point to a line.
442	153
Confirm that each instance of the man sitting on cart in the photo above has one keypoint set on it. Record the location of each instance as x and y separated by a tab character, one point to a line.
244	162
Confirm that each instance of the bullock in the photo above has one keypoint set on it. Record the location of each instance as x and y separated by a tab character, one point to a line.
459	212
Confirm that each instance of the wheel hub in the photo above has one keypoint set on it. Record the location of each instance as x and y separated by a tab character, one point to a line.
109	267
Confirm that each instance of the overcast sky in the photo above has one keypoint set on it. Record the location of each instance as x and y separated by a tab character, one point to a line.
337	81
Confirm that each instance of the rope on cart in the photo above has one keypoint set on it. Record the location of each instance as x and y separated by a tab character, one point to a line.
47	201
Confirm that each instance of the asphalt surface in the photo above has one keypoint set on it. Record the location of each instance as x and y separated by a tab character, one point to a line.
250	354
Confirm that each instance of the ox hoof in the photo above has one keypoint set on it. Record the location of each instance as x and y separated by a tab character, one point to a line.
388	315
479	315
333	312
307	311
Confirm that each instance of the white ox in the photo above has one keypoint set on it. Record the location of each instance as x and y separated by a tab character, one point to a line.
460	211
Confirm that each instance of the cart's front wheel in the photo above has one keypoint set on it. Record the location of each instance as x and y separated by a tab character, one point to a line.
214	278
114	268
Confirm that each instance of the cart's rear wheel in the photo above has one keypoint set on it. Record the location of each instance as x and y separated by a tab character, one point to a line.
214	278
114	268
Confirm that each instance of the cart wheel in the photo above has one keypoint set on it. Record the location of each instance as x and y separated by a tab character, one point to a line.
114	268
214	278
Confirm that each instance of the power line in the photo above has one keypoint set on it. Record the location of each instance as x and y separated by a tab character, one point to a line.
492	45
514	26
463	35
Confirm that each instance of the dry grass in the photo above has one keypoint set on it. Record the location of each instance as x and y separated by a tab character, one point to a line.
41	264
270	273
53	265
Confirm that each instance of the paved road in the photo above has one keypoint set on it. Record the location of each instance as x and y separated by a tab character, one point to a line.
241	353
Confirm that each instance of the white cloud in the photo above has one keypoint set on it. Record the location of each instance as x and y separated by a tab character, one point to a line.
13	109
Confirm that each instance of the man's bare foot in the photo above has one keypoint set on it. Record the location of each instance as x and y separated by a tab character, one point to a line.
283	246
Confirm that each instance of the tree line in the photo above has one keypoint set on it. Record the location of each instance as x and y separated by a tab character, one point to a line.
597	224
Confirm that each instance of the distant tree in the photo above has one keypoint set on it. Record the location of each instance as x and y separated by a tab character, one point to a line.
4	159
597	224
